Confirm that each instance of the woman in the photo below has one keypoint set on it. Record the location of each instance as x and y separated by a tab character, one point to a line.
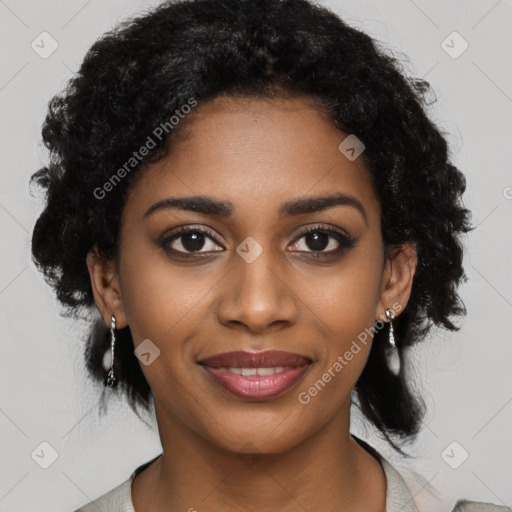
252	196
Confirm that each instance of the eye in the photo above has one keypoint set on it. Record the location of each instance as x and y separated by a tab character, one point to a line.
315	240
190	239
318	240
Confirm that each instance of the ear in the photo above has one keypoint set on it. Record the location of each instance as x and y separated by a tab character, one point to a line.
399	269
106	288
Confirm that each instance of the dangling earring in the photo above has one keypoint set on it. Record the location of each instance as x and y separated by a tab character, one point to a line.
392	354
110	380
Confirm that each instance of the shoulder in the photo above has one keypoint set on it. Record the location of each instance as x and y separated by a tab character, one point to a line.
399	498
478	506
117	500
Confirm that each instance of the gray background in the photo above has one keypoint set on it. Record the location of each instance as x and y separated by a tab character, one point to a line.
466	377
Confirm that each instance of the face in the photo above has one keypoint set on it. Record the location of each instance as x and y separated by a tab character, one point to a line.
261	266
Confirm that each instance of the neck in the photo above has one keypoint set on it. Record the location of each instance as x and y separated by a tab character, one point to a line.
327	469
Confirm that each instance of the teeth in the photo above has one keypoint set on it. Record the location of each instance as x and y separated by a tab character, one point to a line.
263	372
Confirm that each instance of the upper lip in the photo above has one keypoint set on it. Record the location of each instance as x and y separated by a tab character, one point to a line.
265	359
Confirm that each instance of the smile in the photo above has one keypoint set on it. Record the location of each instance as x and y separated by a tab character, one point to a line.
256	376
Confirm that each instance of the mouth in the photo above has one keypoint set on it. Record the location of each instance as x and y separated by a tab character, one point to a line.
256	375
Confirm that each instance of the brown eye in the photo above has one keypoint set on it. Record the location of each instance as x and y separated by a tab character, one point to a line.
190	240
317	241
193	241
321	240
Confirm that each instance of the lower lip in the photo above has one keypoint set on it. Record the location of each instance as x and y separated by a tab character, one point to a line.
257	387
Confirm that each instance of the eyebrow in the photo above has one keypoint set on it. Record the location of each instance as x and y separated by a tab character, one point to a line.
302	205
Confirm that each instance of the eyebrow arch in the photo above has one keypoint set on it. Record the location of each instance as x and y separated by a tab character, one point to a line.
319	203
210	206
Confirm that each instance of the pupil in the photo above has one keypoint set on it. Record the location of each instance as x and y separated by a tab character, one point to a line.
319	241
193	241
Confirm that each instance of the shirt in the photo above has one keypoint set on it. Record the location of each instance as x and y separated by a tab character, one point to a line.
398	496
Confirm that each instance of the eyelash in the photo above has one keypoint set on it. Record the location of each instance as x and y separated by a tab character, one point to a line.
345	241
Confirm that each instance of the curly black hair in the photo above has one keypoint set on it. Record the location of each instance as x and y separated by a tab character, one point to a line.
145	70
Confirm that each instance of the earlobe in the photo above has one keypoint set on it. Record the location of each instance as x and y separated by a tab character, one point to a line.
397	279
106	288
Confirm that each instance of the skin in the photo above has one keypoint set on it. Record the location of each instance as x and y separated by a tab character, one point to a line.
221	452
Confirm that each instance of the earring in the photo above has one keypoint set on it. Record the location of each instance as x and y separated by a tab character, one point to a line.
391	351
110	380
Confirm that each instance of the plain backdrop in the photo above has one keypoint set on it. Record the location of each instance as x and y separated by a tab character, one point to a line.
466	377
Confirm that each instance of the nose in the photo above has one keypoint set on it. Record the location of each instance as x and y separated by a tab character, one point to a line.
257	296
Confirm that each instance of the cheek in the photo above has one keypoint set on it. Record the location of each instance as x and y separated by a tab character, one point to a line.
347	308
162	305
159	299
347	313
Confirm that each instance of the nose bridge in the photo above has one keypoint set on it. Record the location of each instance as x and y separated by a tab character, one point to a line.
257	294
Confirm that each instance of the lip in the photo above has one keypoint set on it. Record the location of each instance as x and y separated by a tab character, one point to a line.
267	358
256	387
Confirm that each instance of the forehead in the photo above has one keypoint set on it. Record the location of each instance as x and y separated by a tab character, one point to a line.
255	152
